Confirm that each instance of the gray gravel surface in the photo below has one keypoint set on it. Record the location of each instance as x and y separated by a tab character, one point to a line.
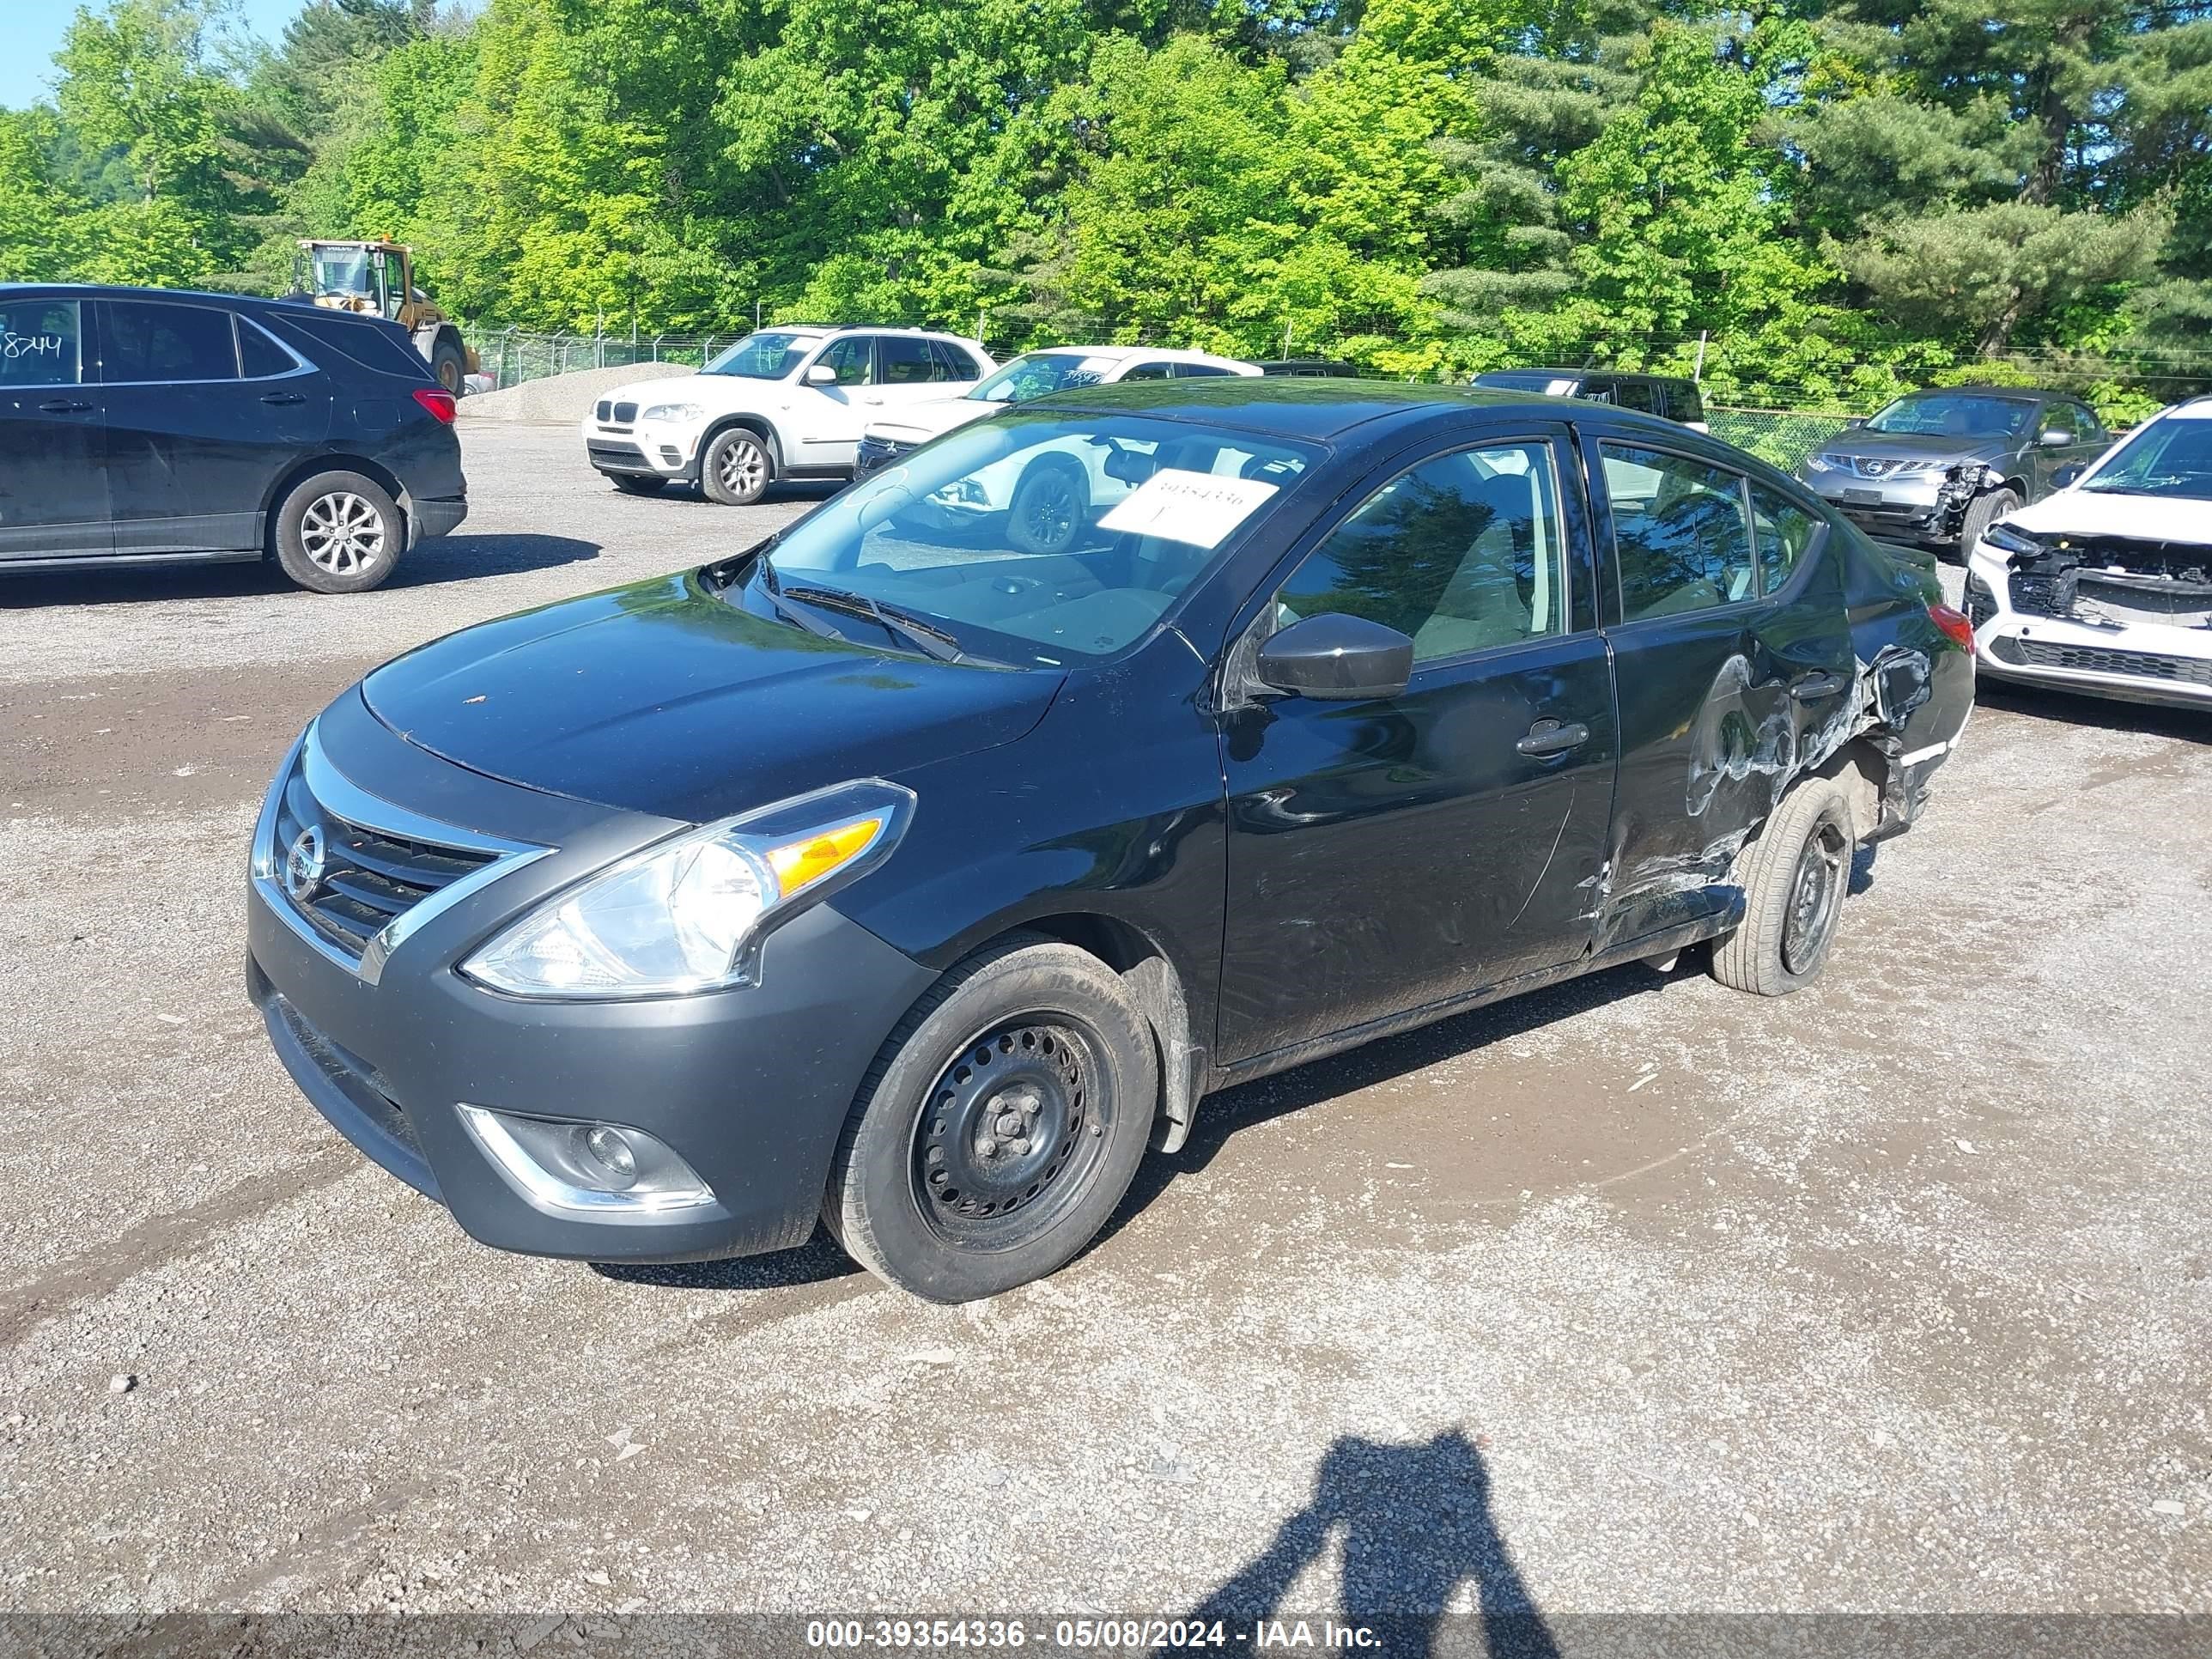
1638	1294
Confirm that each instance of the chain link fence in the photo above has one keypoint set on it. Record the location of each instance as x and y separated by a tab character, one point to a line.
1780	437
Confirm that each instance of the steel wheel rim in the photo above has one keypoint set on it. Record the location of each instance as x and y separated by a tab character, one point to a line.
742	468
1815	892
341	533
1049	511
1011	1132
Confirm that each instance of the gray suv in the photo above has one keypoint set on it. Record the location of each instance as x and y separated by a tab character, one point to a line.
1937	468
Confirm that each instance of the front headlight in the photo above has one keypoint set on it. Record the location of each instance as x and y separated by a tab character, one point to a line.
686	413
1817	463
688	914
2006	540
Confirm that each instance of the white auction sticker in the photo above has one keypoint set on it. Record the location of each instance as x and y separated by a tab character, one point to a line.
1196	507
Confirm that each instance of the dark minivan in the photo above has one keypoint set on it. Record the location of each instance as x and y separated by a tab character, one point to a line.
141	426
883	874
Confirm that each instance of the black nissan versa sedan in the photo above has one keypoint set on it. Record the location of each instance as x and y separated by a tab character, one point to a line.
142	427
883	874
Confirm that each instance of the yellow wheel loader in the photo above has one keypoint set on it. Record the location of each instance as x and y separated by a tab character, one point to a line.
377	278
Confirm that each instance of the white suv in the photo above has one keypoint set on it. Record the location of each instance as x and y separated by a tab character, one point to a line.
783	402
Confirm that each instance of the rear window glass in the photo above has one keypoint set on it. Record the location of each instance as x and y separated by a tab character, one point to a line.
380	346
142	340
38	342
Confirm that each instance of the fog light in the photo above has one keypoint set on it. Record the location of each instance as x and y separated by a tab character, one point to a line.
601	1171
607	1148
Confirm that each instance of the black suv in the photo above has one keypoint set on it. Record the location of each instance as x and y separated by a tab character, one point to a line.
885	874
1667	396
145	426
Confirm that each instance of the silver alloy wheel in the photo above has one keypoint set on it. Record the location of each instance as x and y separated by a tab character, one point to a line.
742	468
342	533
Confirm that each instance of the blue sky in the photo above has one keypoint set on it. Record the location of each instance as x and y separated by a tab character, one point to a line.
30	29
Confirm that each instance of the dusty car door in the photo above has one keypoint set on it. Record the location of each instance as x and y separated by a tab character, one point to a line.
1391	854
53	490
1732	654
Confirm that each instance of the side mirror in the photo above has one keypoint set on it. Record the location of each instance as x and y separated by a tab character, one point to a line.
1337	658
1855	421
2051	438
2067	476
821	374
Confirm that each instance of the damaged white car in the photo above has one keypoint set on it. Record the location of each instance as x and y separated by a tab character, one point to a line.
2105	587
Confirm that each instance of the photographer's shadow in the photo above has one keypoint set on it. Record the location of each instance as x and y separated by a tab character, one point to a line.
1417	1527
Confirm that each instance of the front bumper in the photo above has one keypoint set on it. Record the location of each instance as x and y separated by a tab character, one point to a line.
1907	510
751	1087
642	449
2142	662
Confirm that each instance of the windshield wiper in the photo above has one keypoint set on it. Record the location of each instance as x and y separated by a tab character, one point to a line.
773	589
926	637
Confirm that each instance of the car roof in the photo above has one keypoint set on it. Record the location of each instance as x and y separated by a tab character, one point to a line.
2019	394
119	290
1591	374
1327	410
1122	354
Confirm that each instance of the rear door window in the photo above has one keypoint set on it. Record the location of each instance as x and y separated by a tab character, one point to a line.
1146	371
1681	533
147	341
40	343
952	362
902	360
1786	534
1636	395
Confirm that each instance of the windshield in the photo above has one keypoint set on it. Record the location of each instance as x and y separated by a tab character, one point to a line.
768	355
2170	457
1037	372
1038	538
340	270
1955	415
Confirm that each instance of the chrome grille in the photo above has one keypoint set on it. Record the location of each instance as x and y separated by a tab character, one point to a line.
1882	466
367	879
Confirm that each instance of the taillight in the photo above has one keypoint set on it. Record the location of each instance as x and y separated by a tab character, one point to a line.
437	400
1954	624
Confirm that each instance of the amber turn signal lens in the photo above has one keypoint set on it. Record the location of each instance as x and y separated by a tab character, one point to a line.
802	863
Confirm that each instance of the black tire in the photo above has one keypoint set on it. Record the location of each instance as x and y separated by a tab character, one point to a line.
338	532
737	468
1050	508
1983	512
1047	1142
1795	876
449	367
631	484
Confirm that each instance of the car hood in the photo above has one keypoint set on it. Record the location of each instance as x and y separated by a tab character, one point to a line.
917	423
670	388
664	698
1914	446
2087	512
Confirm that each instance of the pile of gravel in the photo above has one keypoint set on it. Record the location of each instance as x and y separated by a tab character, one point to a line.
563	399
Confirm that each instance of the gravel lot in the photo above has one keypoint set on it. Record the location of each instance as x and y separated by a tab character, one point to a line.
1637	1295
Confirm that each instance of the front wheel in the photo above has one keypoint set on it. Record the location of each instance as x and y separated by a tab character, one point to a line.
736	471
1050	508
338	532
999	1127
1794	876
1981	513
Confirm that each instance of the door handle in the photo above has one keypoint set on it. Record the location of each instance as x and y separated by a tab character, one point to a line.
276	398
1813	687
1547	737
63	406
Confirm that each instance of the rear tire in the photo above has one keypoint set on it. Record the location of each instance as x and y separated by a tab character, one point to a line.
631	484
338	532
999	1127
1983	512
1794	876
737	468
